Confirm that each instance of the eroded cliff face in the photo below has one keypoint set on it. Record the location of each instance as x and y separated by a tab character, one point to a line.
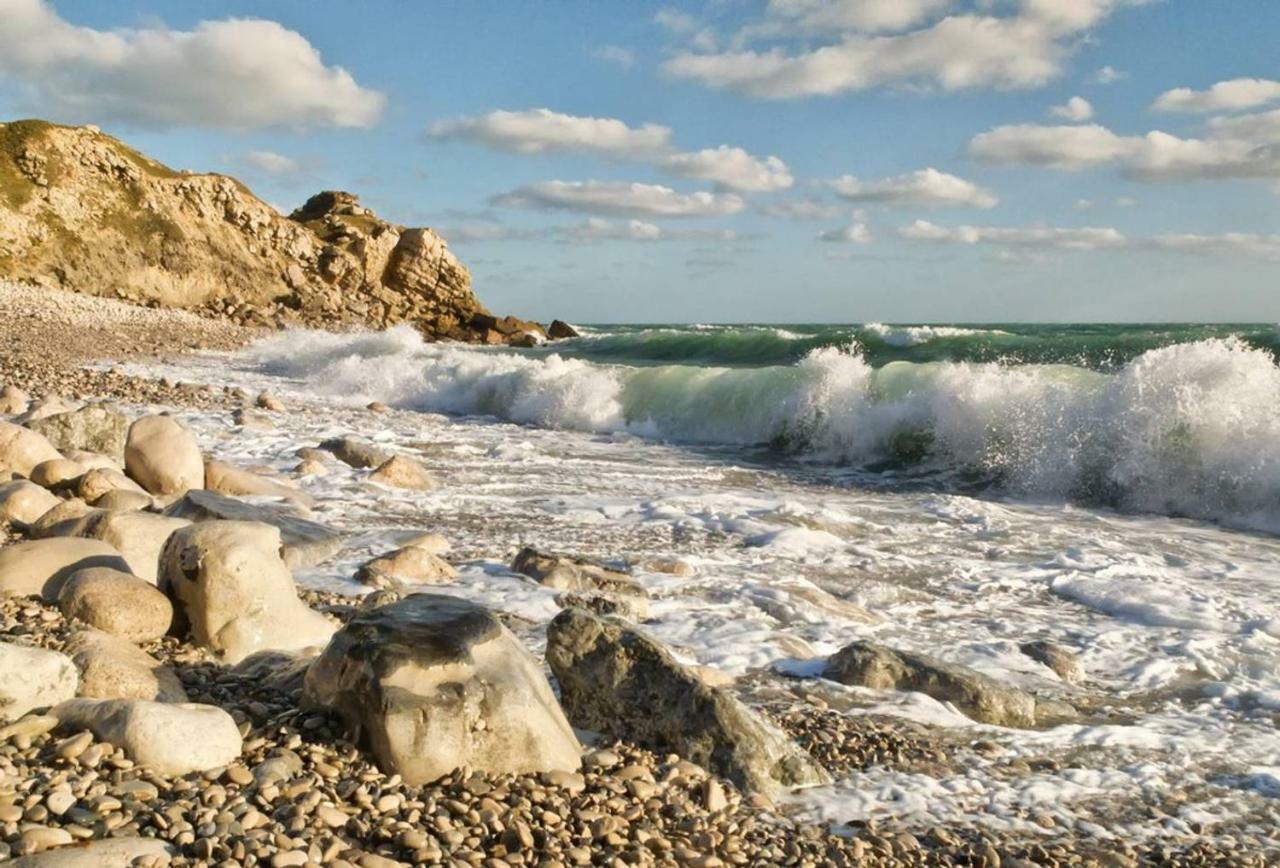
80	210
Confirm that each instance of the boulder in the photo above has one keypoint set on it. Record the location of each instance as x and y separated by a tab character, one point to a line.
21	449
566	573
39	567
671	566
559	330
124	500
310	467
50	405
401	471
227	580
408	565
23	502
138	536
355	452
89	460
252	419
617	680
268	401
115	668
57	471
33	678
93	428
162	456
433	683
63	519
102	480
122	852
623	605
432	542
1063	661
172	738
13	400
116	603
228	479
868	664
306	543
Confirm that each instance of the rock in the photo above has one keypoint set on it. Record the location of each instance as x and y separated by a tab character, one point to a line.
124	500
56	472
13	400
432	542
1062	661
867	664
268	401
559	330
162	456
99	481
670	566
377	407
253	419
64	519
229	479
21	449
167	737
403	472
23	502
617	680
44	408
408	565
228	581
94	428
33	678
89	460
277	670
433	683
623	605
306	543
138	536
39	567
355	452
115	668
573	574
122	852
310	467
116	603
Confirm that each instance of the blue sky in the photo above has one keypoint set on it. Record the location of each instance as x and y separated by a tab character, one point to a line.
893	160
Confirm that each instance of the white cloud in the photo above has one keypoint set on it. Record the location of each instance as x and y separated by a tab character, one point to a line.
236	73
1228	244
675	21
1108	75
730	168
1262	128
1075	109
925	188
868	16
623	57
599	229
539	131
1238	93
271	162
858	231
803	209
620	198
1058	147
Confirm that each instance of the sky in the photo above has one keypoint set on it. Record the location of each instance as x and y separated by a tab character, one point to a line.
733	160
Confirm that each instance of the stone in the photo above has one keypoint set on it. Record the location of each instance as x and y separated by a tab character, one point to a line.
670	566
408	565
99	481
306	542
868	664
377	407
623	605
56	471
123	852
39	567
231	480
32	679
94	428
227	580
162	456
45	407
401	471
89	460
172	738
310	467
21	449
1063	661
432	542
356	452
278	670
117	603
559	330
124	500
23	502
61	520
617	680
566	573
252	419
115	668
433	683
13	400
138	536
268	401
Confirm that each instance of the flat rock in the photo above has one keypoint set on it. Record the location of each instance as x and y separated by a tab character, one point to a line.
117	603
33	678
228	479
39	567
408	565
617	680
305	542
93	428
100	853
170	738
162	456
568	573
115	668
356	452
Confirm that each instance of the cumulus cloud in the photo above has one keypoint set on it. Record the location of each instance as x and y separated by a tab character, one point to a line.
867	16
1058	147
1092	238
230	74
1108	75
624	57
620	198
599	229
802	209
1233	95
926	188
1075	109
271	162
540	131
730	168
858	231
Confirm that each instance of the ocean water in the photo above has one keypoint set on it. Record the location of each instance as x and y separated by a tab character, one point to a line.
951	490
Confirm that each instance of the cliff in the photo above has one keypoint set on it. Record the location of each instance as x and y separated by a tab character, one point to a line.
81	210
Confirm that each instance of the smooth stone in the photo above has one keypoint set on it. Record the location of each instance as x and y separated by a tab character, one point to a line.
138	536
1063	661
101	853
61	520
115	668
170	738
162	456
356	452
33	678
124	500
117	603
401	471
235	481
21	449
39	567
23	502
408	565
566	573
98	482
57	471
306	543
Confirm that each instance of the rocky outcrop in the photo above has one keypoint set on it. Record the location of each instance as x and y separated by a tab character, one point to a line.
433	683
80	210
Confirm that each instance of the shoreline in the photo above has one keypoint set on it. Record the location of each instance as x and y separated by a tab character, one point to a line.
625	790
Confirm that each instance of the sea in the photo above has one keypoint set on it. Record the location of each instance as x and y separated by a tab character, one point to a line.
955	490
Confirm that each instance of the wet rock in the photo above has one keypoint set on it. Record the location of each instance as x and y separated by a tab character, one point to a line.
559	330
231	480
228	582
305	542
567	573
21	449
617	680
252	419
115	668
1062	661
39	567
433	683
162	456
278	670
23	502
356	452
33	678
268	401
401	471
170	738
116	603
93	428
624	606
408	565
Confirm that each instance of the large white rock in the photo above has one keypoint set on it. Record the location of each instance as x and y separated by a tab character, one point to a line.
432	683
100	853
24	502
115	668
117	603
21	449
138	536
32	678
39	567
227	579
162	456
173	738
